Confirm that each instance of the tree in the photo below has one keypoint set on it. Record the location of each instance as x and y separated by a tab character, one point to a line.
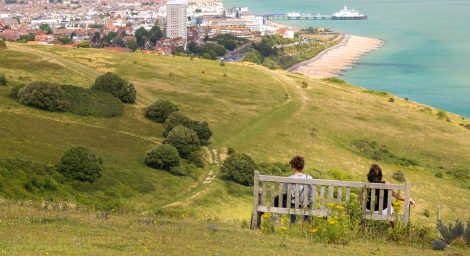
192	47
160	110
240	168
115	85
43	95
163	157
265	47
45	28
141	36
80	163
230	45
132	44
155	34
183	139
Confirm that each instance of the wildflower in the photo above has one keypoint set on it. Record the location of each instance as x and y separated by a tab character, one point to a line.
332	222
266	215
313	230
331	204
283	229
339	207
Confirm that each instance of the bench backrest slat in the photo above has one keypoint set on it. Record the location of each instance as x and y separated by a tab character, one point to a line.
280	195
322	197
340	195
381	202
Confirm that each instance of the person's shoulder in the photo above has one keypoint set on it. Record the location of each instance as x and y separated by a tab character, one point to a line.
309	177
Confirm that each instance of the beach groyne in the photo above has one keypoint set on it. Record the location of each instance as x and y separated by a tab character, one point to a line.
334	60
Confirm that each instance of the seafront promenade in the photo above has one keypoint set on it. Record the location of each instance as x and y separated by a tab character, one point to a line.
334	60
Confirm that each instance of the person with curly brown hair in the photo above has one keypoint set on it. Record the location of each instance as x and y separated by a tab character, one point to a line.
298	163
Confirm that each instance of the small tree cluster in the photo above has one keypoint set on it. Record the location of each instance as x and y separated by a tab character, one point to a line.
117	86
202	129
184	140
163	157
81	164
160	110
3	80
43	95
239	168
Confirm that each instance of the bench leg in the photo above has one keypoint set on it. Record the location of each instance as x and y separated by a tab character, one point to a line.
256	220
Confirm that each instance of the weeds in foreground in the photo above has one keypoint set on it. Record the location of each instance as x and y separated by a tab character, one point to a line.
344	225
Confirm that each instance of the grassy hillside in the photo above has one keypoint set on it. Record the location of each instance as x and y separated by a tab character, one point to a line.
272	115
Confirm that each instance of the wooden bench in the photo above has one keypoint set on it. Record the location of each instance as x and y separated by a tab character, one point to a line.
266	188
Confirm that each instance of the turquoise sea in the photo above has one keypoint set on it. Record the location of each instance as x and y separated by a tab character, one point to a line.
426	56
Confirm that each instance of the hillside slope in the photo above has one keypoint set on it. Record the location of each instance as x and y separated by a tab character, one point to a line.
272	115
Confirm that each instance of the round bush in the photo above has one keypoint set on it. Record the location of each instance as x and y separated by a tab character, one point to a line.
202	129
80	163
179	170
163	157
184	140
175	119
43	95
160	110
117	86
240	168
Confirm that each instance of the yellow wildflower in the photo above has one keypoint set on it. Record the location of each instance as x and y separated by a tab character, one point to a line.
339	207
283	229
331	204
313	230
332	222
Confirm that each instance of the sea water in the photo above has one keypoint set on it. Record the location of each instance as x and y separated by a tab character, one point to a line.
426	56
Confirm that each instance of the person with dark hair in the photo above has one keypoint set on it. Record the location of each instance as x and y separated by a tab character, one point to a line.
375	176
297	163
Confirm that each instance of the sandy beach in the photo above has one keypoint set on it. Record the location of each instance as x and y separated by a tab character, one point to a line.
332	61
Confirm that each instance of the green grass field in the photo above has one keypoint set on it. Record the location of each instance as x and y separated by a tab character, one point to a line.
270	115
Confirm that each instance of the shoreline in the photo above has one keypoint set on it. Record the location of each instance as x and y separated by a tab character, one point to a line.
336	59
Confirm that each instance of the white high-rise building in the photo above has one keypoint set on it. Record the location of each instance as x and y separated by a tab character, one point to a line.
177	19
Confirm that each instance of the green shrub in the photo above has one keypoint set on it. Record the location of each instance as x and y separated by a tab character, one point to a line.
3	45
184	140
196	158
163	157
84	44
439	174
240	168
335	80
85	102
426	213
43	95
3	80
202	129
377	152
160	110
117	86
14	91
179	170
81	164
399	176
173	120
451	232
